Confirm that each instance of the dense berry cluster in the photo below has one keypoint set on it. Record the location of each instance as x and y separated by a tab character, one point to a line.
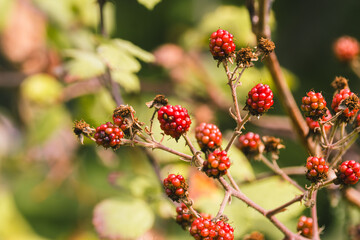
216	164
205	229
184	217
348	172
346	48
108	135
174	120
305	226
250	143
221	44
175	187
260	99
312	124
317	168
208	136
119	121
344	95
313	105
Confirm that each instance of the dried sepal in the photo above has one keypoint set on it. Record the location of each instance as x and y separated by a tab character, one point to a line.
244	57
265	46
340	83
131	124
273	145
254	236
81	129
158	102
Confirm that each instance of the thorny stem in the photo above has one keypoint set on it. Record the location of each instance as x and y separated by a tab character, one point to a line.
223	204
241	196
237	131
273	166
192	210
193	149
345	139
314	217
283	207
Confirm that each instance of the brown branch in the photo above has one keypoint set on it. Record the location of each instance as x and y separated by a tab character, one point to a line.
314	217
283	207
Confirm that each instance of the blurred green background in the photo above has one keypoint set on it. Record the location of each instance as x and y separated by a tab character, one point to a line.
51	57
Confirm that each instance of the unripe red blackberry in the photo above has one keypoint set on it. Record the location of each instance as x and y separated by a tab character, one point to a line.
313	105
224	230
305	226
208	136
184	217
352	103
348	173
175	187
221	44
317	168
216	164
108	135
312	124
119	121
174	120
250	144
260	99
203	229
346	48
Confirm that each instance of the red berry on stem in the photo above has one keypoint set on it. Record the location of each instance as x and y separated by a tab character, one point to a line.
108	135
313	105
260	99
208	136
175	187
345	95
250	144
174	120
216	164
317	169
346	48
221	44
348	172
305	226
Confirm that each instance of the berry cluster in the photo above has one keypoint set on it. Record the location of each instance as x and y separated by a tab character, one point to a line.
216	164
175	187
312	124
221	44
317	168
344	95
346	48
250	143
184	217
348	172
174	120
208	136
305	226
108	135
205	229
260	99
119	121
313	105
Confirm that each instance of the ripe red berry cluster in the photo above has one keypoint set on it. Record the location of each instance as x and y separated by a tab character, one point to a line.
174	120
216	164
312	124
204	229
346	48
119	121
208	136
175	187
249	143
108	135
305	226
260	99
184	217
338	98
317	168
313	105
221	44
348	172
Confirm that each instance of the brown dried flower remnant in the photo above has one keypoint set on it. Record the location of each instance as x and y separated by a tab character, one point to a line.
158	102
265	46
340	83
81	129
129	124
352	102
244	57
254	236
273	145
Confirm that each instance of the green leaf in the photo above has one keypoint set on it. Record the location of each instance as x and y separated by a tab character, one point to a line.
128	81
149	4
84	64
134	50
122	218
118	59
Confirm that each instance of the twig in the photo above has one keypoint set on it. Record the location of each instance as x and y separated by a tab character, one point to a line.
237	131
314	217
282	207
102	21
223	204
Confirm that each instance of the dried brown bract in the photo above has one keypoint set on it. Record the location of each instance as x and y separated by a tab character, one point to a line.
339	83
254	236
273	145
265	46
81	129
158	102
244	57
